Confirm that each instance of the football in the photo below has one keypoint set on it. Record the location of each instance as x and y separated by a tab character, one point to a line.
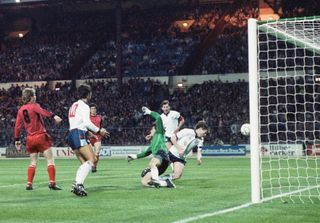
245	129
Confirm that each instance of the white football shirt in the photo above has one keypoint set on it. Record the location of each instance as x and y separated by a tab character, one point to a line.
79	117
170	122
186	138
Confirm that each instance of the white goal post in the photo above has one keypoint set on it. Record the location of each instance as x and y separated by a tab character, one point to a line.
284	92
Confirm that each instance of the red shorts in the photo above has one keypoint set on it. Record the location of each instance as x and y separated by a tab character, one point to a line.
93	140
38	143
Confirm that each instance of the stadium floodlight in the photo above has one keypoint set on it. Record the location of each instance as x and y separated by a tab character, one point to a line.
20	1
284	63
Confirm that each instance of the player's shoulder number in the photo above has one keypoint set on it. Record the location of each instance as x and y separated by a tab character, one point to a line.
72	110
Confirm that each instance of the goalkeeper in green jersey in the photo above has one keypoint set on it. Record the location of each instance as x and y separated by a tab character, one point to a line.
160	160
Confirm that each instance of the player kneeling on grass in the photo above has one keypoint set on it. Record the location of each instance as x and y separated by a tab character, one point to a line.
160	161
31	115
183	143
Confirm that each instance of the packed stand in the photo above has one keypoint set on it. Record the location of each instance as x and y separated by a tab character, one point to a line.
156	47
229	54
52	46
122	115
41	57
297	8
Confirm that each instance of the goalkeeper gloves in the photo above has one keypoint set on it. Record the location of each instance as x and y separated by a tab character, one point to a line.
146	111
131	157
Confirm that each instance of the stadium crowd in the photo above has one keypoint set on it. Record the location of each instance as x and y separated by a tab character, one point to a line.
158	47
41	57
122	115
153	48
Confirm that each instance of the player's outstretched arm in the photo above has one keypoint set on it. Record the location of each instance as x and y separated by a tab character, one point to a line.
153	114
199	156
143	154
131	157
103	132
145	110
199	152
181	123
156	116
38	109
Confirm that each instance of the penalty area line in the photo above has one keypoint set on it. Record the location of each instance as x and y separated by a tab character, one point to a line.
198	217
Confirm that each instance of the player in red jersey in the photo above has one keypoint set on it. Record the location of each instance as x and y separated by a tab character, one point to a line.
95	139
30	115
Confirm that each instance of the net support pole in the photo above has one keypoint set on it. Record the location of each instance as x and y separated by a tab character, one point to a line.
254	109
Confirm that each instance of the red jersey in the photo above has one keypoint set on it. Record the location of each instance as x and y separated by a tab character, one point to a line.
97	121
31	116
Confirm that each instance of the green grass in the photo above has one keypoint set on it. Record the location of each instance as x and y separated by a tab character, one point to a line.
115	195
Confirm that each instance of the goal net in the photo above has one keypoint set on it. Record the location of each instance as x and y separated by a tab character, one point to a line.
284	74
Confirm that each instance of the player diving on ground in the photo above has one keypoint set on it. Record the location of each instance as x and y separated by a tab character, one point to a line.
160	160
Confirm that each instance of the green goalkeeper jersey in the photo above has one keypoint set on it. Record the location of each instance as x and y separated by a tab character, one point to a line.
158	139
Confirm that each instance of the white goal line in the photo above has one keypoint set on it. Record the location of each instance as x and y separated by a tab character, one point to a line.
246	205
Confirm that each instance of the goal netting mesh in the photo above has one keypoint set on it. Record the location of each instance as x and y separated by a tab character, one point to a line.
289	108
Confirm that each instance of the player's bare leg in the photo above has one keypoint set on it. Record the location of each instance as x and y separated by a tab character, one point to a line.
32	170
146	177
51	168
79	156
154	163
146	180
168	145
87	153
97	147
154	172
177	170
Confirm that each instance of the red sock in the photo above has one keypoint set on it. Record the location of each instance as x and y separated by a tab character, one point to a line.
31	172
52	173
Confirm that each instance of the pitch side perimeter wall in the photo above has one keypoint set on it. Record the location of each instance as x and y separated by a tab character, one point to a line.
65	152
295	150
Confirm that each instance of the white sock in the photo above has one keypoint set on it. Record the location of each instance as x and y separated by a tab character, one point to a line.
154	173
162	183
83	172
167	176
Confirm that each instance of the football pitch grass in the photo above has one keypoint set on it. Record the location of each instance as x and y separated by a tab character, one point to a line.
115	195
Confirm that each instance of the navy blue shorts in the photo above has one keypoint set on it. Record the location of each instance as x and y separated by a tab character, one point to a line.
77	138
165	162
174	159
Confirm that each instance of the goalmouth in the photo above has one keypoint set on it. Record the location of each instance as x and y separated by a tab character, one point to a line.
284	89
